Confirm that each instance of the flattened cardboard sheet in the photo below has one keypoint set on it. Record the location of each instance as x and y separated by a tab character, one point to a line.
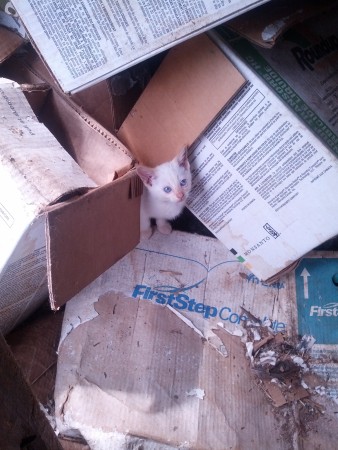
191	86
151	352
136	372
115	36
86	236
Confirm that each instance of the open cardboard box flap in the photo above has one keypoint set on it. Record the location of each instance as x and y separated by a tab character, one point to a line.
90	228
97	229
95	149
108	101
194	82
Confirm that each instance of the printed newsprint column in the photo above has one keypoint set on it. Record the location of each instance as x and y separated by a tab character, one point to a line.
262	182
94	40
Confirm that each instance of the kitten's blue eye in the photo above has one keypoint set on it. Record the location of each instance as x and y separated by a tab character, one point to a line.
183	182
167	189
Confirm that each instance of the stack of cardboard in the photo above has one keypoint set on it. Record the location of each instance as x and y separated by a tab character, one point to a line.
259	115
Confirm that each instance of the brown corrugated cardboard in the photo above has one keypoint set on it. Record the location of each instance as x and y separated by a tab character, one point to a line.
90	229
174	109
34	346
9	43
110	160
23	424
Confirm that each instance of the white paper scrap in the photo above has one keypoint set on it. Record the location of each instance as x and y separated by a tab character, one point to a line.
197	392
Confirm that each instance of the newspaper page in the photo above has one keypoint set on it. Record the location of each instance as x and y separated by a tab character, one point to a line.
262	182
87	43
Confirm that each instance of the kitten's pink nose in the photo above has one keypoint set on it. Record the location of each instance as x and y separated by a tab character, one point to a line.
180	196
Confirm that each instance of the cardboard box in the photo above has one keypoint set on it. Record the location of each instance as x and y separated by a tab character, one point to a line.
88	210
173	108
46	196
166	350
301	68
261	177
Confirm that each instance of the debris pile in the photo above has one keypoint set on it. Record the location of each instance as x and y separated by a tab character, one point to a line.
280	364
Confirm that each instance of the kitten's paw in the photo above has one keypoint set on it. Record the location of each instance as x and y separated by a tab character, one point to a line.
163	226
146	234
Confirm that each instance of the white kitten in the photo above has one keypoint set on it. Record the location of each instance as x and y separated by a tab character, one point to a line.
166	188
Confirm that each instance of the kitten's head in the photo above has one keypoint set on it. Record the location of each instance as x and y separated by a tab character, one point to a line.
170	181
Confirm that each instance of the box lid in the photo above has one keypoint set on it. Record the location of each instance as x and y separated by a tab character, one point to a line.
33	163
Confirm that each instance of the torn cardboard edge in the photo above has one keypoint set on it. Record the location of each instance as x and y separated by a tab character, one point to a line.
60	109
278	363
137	335
85	347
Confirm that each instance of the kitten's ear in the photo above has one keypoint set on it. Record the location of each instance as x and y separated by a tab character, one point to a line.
147	174
182	158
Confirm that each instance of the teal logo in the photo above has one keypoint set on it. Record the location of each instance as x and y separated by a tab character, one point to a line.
317	299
